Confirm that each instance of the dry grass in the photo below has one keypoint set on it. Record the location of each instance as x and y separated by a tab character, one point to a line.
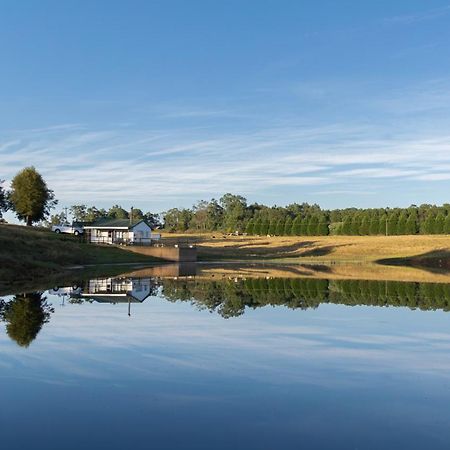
312	248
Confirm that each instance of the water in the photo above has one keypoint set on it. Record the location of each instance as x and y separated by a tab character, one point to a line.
226	364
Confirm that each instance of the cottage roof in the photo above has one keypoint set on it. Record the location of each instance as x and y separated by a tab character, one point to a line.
108	223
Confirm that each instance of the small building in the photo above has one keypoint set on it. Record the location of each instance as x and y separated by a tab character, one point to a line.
120	231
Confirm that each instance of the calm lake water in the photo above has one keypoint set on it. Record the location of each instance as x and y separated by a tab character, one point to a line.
151	363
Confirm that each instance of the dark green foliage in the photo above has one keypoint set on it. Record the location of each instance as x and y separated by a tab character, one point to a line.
24	316
297	226
117	212
447	224
288	226
249	229
411	224
279	229
265	227
272	228
30	197
439	224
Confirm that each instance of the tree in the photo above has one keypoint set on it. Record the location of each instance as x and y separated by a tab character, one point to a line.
411	224
117	212
272	230
288	226
439	224
234	211
297	226
279	229
3	199
24	316
447	224
401	224
257	227
153	220
249	229
30	197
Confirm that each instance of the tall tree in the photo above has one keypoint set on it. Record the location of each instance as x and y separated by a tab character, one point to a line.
234	210
288	226
3	199
30	197
249	229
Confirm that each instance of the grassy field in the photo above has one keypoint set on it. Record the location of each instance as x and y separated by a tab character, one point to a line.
316	249
30	253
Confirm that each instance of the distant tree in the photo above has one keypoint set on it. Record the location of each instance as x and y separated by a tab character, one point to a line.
79	212
24	316
117	212
312	227
30	197
56	219
304	226
3	199
137	214
439	224
265	227
257	227
272	228
177	219
279	229
288	226
347	226
249	229
234	211
297	226
374	225
411	224
214	213
402	224
323	225
364	228
447	224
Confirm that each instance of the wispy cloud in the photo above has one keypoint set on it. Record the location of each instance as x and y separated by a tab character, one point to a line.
419	16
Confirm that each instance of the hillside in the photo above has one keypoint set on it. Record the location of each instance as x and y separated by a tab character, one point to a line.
29	253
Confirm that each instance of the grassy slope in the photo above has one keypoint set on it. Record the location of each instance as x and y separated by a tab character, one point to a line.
315	248
28	253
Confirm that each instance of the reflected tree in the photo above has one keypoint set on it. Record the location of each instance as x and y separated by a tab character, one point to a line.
24	316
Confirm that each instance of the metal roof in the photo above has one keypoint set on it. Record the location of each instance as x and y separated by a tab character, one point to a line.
106	222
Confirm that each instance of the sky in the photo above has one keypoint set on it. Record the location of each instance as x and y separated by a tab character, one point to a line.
158	104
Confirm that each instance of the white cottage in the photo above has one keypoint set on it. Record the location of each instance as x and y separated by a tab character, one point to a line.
120	231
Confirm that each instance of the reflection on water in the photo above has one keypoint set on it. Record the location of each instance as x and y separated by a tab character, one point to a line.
294	367
25	314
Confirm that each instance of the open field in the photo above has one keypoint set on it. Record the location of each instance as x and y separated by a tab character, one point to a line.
316	249
29	253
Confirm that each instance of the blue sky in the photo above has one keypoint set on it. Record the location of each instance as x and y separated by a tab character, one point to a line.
161	103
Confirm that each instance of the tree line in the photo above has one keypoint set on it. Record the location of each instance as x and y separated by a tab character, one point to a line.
232	214
31	199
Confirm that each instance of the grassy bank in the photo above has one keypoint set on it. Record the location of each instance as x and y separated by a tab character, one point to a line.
29	253
316	249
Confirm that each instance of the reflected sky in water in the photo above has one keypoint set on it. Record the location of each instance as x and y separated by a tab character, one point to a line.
171	376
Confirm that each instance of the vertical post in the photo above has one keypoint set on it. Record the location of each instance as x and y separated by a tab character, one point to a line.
131	216
386	225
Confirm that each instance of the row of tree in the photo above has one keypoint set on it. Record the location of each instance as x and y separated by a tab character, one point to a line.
232	214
